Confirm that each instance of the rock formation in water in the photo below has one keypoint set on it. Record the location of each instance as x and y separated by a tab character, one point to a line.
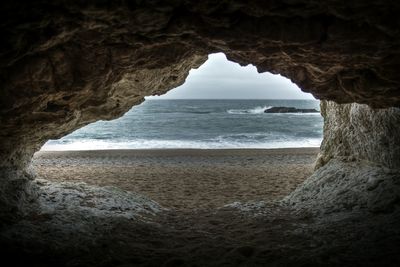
290	110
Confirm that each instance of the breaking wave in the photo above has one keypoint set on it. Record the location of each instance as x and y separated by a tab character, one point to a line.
222	142
256	110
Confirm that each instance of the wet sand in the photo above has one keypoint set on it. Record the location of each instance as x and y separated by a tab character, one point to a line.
185	179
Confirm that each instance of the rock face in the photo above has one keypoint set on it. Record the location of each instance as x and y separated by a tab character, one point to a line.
350	187
289	110
358	167
357	132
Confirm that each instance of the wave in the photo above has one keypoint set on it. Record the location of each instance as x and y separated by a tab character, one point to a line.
198	112
182	112
261	110
221	142
256	110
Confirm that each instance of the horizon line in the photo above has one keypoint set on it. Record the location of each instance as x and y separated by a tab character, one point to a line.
155	98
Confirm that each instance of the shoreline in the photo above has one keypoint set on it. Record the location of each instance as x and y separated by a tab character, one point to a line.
187	150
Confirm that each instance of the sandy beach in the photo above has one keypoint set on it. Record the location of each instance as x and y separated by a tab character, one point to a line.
215	208
185	179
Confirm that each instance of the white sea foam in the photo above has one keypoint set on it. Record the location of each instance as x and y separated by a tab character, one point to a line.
171	124
256	110
218	143
261	110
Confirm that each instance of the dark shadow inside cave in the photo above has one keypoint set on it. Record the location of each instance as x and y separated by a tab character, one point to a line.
67	64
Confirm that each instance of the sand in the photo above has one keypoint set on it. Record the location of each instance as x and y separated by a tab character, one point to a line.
185	179
218	209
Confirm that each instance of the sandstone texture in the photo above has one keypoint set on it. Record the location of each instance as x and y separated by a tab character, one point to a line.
356	186
357	132
358	167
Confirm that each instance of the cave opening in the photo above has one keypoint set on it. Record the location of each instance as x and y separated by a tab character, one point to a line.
205	144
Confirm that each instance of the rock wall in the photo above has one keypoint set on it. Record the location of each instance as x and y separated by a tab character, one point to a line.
357	132
350	187
358	167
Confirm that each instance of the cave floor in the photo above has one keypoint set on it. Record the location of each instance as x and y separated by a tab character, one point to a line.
252	234
95	224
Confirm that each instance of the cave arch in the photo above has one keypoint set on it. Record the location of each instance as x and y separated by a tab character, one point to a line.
64	65
217	79
88	61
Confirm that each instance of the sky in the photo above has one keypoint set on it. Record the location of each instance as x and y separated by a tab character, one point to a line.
219	78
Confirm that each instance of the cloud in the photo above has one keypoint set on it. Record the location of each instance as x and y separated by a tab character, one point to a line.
220	78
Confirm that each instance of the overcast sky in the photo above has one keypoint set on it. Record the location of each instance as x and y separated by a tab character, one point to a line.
219	78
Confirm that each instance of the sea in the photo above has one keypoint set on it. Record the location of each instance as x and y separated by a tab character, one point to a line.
200	124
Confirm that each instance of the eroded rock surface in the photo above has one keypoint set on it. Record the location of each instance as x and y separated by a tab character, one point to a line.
357	132
356	186
104	231
358	167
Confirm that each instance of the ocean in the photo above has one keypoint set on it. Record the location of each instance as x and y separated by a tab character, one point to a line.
201	124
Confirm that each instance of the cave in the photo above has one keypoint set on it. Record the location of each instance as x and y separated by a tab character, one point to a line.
67	64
